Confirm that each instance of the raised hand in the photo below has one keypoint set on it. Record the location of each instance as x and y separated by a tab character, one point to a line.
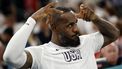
86	13
45	12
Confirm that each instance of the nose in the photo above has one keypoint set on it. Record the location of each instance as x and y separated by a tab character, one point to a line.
75	29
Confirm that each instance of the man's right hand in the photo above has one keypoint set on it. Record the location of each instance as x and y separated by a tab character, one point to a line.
45	12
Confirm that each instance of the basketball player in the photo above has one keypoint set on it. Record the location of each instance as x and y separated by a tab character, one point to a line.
66	50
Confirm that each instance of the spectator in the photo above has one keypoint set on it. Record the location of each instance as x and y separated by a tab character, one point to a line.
119	40
6	36
107	10
110	52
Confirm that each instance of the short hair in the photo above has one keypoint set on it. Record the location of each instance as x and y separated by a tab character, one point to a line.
57	16
64	9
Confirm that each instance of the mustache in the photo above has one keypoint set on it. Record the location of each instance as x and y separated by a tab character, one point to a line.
76	34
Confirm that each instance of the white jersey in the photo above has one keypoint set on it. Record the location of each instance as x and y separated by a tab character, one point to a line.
52	56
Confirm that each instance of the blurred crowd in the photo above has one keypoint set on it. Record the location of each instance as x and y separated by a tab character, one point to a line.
13	14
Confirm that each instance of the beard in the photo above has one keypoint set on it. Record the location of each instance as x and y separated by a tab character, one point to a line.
68	42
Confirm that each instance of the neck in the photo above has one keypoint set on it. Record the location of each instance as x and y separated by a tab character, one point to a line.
55	39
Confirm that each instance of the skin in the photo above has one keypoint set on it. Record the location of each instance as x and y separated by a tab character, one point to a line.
66	32
111	53
109	32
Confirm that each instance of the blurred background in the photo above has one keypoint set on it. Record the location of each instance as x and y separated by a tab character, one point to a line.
14	13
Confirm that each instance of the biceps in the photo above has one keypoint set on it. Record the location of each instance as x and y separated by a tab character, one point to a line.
28	62
106	41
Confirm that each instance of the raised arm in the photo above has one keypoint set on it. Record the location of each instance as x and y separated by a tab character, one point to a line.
14	53
109	32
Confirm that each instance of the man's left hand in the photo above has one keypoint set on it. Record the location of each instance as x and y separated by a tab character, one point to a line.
86	13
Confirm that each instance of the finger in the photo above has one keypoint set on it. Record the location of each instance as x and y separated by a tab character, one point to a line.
81	8
87	15
53	11
52	4
84	14
90	13
58	11
81	5
48	19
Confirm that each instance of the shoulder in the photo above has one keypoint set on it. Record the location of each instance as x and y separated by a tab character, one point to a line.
36	49
96	34
93	40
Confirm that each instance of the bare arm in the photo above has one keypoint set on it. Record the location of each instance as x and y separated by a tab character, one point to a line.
14	53
109	32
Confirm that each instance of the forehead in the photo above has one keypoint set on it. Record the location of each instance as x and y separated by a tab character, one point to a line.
69	17
111	47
